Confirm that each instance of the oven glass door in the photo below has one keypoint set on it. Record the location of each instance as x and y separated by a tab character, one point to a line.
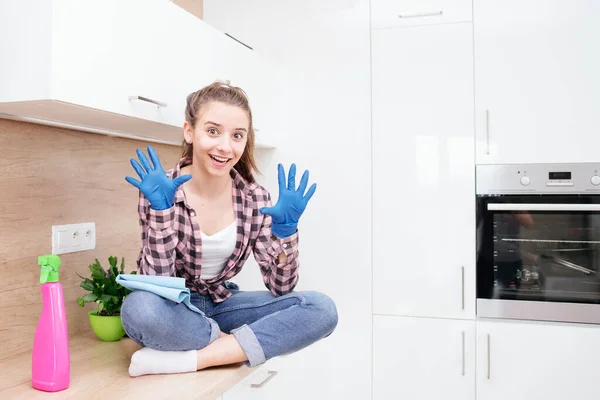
539	248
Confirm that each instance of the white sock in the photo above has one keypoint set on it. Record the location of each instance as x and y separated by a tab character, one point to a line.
149	361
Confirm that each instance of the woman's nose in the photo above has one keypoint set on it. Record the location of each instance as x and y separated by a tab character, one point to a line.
224	144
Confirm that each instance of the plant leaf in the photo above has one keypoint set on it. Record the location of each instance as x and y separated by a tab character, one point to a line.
110	299
111	289
88	285
98	272
90	298
105	290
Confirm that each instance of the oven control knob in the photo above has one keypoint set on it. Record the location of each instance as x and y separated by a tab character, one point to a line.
595	180
525	180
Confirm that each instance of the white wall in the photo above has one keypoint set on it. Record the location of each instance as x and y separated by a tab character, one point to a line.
326	129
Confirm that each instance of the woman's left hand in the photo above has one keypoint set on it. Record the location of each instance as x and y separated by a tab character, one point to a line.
291	203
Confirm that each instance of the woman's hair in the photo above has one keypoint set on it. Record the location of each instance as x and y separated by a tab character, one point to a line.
225	93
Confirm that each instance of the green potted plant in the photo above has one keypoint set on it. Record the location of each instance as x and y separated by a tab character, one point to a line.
108	294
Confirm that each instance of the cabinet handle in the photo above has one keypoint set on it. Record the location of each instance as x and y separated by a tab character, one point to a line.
237	40
487	131
463	353
463	287
420	14
489	357
142	98
263	383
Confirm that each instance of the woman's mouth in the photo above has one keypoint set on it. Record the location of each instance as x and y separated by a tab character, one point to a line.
219	161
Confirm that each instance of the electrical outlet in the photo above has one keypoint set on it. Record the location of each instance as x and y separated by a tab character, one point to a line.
73	237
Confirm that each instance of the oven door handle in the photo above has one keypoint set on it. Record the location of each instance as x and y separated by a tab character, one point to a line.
542	207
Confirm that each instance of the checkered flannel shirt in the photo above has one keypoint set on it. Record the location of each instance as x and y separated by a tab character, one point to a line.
172	244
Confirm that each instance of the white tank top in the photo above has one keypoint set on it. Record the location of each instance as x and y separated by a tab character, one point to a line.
217	249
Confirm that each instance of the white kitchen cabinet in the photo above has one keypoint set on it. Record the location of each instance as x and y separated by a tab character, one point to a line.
423	358
311	373
537	83
531	360
116	67
255	385
423	171
402	13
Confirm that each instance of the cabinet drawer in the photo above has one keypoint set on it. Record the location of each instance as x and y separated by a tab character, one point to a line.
400	13
258	384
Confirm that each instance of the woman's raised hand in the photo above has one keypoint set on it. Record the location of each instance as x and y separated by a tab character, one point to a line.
155	185
291	204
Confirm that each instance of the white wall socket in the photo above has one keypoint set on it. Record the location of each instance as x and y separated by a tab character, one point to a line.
73	237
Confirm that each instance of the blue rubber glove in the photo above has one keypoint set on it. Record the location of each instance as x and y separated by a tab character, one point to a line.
291	203
155	185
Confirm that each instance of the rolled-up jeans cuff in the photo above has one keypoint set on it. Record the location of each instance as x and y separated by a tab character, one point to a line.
215	330
249	342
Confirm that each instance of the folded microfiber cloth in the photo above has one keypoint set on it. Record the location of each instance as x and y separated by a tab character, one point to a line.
170	287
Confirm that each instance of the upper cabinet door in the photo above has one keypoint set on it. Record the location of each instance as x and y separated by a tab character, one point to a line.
399	13
121	67
537	80
101	56
423	171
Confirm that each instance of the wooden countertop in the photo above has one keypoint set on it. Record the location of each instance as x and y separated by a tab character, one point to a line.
99	371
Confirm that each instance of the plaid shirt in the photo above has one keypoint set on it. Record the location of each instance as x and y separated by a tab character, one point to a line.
172	244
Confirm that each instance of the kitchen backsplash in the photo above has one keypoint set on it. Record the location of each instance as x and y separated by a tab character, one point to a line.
53	176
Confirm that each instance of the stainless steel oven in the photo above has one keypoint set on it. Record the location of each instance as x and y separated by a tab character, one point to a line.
538	241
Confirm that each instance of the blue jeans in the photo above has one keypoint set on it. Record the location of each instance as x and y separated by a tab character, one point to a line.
265	326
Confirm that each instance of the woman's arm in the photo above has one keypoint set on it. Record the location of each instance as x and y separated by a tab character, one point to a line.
159	240
277	258
276	248
156	214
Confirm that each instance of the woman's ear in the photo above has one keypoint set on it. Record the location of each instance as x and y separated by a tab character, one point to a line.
188	132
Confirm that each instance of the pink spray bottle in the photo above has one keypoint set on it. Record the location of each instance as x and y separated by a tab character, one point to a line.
51	362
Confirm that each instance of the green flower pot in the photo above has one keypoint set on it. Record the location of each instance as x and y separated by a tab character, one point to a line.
108	329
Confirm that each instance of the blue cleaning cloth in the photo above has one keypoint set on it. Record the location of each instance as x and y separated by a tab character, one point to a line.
170	287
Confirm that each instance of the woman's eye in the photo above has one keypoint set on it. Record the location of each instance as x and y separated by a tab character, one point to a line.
238	135
212	131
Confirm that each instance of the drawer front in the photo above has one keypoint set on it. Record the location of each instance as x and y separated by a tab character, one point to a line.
261	384
387	14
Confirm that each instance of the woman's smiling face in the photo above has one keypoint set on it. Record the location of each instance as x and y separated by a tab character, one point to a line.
220	137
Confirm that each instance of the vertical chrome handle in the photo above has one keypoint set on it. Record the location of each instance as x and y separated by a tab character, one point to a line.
463	353
487	131
420	14
263	383
463	287
489	356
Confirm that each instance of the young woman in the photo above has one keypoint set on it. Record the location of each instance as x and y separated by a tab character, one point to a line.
200	221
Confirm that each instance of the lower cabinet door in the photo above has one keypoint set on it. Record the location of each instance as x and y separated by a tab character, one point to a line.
535	360
423	358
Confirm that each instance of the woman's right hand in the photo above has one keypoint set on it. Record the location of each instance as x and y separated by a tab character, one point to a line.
155	185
